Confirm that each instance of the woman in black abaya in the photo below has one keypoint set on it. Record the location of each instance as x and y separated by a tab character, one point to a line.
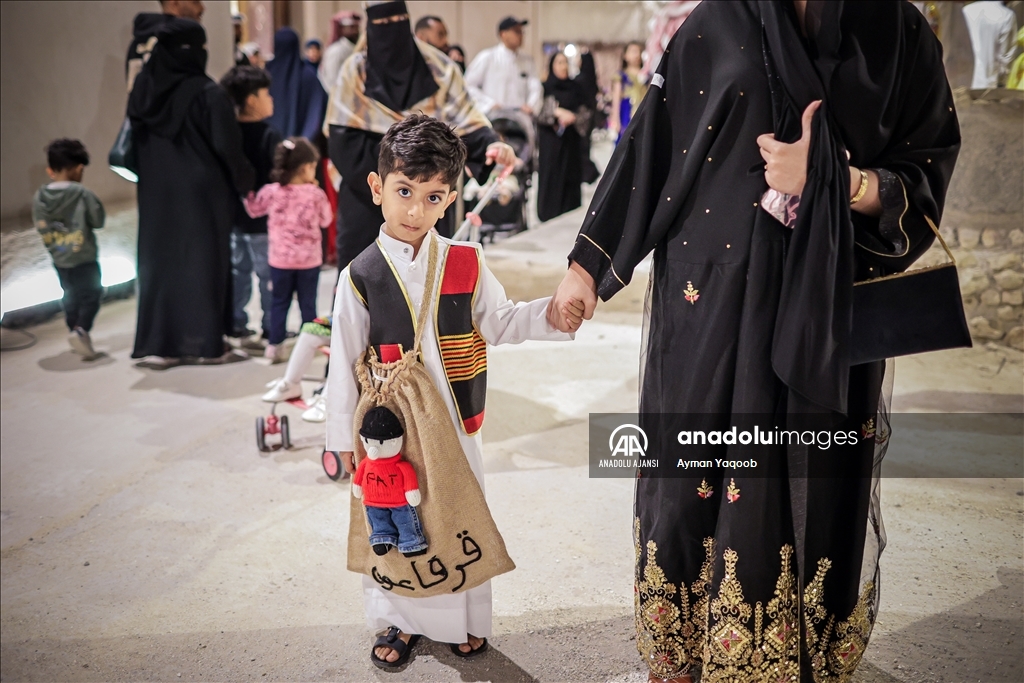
191	170
774	575
561	124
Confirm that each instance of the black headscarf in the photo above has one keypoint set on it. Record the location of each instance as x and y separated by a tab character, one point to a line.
299	98
171	79
587	78
567	92
871	110
397	76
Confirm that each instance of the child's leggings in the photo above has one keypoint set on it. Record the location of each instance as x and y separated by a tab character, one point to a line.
313	336
286	282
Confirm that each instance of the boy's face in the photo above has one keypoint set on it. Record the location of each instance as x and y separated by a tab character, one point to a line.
410	207
259	105
72	173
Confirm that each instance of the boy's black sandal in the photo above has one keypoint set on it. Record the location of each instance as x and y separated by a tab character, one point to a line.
391	640
472	653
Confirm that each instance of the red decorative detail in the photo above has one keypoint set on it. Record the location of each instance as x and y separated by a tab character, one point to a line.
729	639
733	492
461	271
850	650
389	353
473	424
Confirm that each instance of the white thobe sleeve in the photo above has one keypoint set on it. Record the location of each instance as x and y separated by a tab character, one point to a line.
1007	45
476	72
350	333
535	90
502	322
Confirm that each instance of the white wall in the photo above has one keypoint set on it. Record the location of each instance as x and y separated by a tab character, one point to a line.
62	75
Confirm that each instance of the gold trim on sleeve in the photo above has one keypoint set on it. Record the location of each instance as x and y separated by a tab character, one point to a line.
610	263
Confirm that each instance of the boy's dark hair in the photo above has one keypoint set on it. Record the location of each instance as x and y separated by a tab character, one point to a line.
290	155
425	22
242	81
66	153
422	148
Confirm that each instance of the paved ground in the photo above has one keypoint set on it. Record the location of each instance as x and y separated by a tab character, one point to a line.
145	538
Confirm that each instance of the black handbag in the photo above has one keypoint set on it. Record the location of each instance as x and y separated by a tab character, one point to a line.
905	313
122	154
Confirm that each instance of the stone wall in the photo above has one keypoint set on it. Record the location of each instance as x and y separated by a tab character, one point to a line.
983	222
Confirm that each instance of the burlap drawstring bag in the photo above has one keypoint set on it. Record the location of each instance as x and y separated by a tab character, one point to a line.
465	548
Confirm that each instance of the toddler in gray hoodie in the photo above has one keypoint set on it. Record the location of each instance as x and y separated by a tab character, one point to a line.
66	213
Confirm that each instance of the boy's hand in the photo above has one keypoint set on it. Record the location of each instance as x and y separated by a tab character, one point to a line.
347	462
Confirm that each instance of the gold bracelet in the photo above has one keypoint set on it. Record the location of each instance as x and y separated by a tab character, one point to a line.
863	189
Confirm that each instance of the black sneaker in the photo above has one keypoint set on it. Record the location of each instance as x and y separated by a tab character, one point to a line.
242	333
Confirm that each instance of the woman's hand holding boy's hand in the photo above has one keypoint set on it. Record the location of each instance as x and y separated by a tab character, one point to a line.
574	301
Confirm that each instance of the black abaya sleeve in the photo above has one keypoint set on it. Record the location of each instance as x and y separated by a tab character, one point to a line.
226	139
476	151
626	219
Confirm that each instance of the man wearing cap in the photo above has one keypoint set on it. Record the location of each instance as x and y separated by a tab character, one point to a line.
344	34
504	75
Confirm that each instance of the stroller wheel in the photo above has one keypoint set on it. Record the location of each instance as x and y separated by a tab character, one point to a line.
261	433
332	465
286	435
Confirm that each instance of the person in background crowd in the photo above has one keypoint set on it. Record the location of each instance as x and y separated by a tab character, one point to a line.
561	124
249	88
587	79
457	55
144	31
506	77
66	213
191	170
431	30
241	59
628	88
344	34
299	99
314	51
252	52
992	27
386	80
296	209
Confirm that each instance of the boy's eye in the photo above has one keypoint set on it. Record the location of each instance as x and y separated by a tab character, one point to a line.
434	199
404	192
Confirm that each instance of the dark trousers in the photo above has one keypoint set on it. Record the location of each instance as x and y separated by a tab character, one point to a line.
284	283
83	290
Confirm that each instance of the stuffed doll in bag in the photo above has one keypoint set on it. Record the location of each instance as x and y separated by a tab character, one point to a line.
388	487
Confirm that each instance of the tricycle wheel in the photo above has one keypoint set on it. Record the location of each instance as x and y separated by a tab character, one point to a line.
286	435
332	464
261	432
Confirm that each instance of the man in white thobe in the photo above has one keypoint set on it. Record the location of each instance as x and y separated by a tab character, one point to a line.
345	34
502	77
993	30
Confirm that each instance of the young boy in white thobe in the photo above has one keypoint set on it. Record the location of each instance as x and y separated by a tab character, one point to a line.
420	160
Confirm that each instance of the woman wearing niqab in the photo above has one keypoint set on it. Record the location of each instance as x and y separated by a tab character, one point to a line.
774	575
390	76
561	124
191	170
299	97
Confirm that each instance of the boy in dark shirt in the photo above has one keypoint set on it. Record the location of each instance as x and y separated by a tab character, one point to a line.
249	88
65	213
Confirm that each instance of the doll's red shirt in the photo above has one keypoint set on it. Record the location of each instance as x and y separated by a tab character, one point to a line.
385	481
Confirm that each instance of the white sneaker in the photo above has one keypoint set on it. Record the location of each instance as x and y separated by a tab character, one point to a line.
283	391
81	343
317	411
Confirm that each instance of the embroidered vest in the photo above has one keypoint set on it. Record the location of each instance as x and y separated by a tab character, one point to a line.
393	321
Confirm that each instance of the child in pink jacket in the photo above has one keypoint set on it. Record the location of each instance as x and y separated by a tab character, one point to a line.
296	209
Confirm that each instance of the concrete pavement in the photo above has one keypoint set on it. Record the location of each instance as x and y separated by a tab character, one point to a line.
145	537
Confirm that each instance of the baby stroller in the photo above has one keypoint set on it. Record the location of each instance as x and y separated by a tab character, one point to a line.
507	212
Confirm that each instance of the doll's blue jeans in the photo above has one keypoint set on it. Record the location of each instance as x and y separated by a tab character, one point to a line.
399	527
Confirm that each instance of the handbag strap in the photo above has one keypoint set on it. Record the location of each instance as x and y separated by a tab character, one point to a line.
428	293
941	241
